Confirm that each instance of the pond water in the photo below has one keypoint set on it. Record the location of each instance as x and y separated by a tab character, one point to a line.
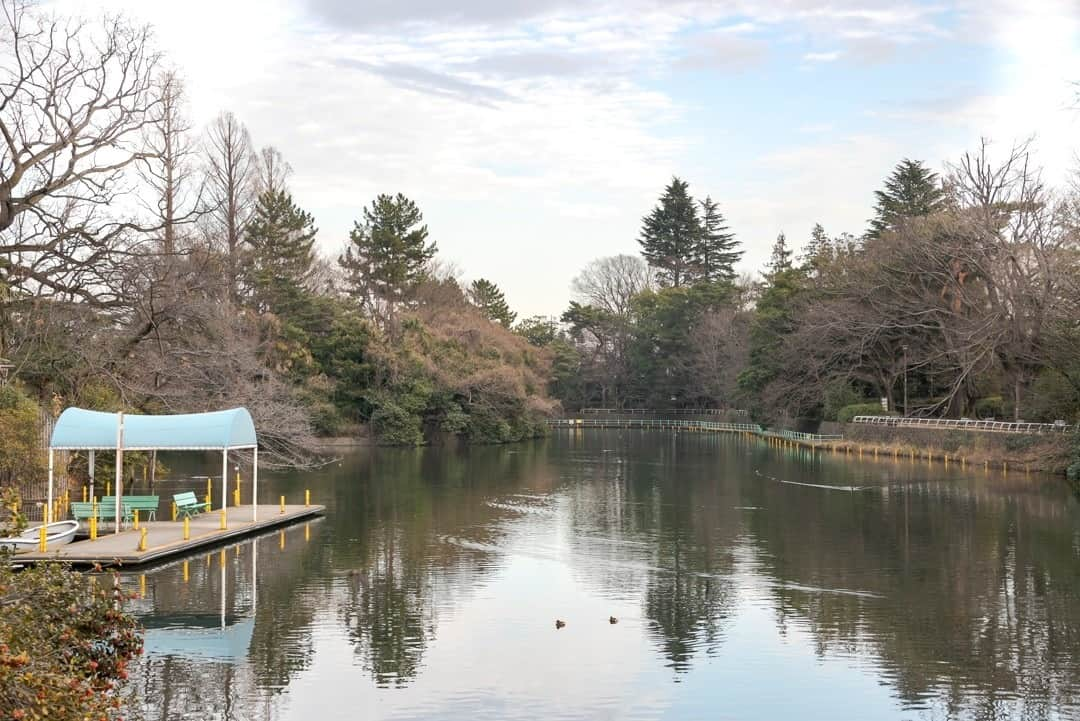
748	583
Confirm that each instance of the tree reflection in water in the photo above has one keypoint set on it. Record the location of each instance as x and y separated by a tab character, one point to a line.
957	591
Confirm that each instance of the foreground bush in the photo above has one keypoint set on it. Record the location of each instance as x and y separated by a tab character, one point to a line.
65	643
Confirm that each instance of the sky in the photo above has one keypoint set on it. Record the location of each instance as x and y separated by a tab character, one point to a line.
535	134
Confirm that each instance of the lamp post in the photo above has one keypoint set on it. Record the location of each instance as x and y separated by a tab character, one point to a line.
905	381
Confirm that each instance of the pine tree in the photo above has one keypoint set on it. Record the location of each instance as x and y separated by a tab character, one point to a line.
486	296
912	190
670	233
280	239
715	253
780	260
819	252
387	254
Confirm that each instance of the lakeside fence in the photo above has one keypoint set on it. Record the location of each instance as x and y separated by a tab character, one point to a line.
962	424
672	412
692	426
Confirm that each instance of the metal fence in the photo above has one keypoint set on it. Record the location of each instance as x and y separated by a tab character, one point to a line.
655	424
656	412
962	424
799	436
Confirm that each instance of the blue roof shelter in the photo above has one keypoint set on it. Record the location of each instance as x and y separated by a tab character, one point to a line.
78	429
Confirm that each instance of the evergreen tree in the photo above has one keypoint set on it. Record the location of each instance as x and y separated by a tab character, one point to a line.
819	252
280	238
780	260
486	296
715	253
670	233
912	190
387	254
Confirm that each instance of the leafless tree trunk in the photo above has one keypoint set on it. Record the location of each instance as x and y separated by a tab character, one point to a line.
169	170
272	170
231	177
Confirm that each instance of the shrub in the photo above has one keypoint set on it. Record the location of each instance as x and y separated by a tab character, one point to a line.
838	395
847	413
989	407
395	426
64	646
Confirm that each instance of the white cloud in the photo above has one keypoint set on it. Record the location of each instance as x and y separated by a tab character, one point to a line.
822	57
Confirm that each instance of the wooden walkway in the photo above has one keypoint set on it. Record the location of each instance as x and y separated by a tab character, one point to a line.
165	539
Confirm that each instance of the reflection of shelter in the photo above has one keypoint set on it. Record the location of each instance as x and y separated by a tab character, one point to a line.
82	430
219	636
201	636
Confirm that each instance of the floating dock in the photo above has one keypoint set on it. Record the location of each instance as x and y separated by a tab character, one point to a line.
165	539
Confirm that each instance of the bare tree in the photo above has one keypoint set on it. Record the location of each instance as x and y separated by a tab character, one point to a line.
231	176
74	100
169	170
609	283
272	170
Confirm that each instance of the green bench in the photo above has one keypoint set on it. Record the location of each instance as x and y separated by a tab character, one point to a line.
82	511
146	505
188	505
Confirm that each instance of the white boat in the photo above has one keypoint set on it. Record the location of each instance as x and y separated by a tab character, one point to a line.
57	534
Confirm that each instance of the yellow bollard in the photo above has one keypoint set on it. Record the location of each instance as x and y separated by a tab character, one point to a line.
283	504
135	518
186	576
142	538
85	491
93	526
174	510
187	528
209	487
307	498
236	497
223	525
208	502
43	539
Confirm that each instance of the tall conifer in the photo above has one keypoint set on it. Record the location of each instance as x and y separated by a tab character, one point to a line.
670	234
715	253
280	239
911	190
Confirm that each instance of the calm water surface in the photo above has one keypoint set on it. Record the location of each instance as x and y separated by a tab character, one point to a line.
748	583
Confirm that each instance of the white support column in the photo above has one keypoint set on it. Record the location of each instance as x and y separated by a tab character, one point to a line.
255	484
224	479
119	469
48	508
90	462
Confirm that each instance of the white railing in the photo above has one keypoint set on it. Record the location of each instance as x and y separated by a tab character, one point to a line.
962	424
671	411
673	425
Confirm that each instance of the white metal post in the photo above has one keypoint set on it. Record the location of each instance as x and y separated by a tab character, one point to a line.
224	479
48	507
119	468
91	463
255	484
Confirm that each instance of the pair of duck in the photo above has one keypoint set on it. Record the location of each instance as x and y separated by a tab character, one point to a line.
559	623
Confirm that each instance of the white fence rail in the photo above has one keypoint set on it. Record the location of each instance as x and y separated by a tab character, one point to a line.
962	424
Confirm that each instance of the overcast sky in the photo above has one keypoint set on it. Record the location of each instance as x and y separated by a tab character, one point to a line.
535	134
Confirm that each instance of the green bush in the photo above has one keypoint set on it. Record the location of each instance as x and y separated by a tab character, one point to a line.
839	395
847	413
989	407
395	426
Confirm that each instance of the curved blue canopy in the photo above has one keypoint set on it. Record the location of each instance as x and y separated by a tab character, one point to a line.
80	429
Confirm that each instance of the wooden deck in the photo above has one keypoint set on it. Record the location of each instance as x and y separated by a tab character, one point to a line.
165	539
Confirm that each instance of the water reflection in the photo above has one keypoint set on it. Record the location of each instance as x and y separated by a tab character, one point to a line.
431	588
